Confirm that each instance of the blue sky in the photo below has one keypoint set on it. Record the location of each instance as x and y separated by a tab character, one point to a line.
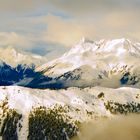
50	27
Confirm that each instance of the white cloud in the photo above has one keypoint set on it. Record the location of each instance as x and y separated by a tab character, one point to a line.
14	39
89	7
95	19
65	31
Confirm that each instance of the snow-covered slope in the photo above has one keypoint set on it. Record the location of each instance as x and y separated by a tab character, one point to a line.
109	63
14	57
83	104
75	97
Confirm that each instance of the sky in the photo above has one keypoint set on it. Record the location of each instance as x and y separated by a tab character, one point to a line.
51	27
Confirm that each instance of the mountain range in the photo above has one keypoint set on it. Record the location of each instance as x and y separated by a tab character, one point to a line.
52	100
106	63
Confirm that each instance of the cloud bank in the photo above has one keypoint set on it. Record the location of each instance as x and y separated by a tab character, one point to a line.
65	22
13	39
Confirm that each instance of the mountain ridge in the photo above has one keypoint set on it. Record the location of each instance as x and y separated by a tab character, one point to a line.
88	48
14	56
103	62
107	63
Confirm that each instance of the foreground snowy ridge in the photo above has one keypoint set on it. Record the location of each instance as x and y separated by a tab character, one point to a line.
84	104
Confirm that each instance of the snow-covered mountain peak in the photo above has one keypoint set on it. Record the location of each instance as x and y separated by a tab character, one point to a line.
13	57
97	54
11	49
83	45
85	40
115	46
